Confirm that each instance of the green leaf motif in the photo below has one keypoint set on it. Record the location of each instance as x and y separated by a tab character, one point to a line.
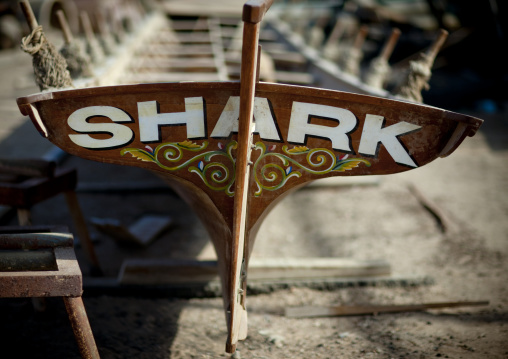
347	165
319	161
190	145
298	149
215	175
139	154
272	170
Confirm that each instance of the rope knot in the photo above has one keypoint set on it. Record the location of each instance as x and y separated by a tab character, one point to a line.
32	43
50	68
420	68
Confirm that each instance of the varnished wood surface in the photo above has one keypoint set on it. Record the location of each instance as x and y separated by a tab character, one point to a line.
243	169
440	132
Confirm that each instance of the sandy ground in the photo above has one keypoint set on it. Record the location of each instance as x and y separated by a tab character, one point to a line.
380	221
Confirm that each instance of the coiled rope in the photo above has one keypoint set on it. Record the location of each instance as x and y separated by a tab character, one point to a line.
417	79
50	68
377	73
78	62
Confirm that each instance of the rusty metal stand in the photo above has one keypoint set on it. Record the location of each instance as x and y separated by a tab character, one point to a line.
43	264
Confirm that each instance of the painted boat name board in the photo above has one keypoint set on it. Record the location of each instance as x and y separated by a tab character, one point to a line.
300	134
150	121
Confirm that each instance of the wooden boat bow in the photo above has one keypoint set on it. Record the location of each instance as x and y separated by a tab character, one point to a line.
233	150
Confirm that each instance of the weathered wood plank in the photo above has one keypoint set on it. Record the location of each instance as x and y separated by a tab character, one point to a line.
171	271
344	310
142	232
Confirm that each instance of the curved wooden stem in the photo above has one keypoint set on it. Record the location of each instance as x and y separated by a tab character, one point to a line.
390	44
254	10
436	45
337	32
237	325
253	13
29	14
101	24
65	27
87	26
360	37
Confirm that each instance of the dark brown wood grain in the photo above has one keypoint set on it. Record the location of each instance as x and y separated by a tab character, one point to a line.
441	132
234	209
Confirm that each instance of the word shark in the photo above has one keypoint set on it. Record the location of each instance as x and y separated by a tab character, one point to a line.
194	117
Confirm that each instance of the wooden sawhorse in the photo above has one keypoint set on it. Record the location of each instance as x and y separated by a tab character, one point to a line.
43	264
26	182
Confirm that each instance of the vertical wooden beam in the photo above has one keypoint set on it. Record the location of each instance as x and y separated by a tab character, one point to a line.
389	46
65	27
29	14
248	78
24	217
82	232
436	46
253	12
87	27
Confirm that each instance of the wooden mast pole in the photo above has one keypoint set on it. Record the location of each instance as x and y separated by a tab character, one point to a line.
29	15
389	46
253	12
65	27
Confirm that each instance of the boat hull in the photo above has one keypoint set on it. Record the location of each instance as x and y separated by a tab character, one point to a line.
187	133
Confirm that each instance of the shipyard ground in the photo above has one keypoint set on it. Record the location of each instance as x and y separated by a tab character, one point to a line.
379	220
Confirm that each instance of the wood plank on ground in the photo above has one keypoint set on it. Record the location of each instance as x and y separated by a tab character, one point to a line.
168	271
344	310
